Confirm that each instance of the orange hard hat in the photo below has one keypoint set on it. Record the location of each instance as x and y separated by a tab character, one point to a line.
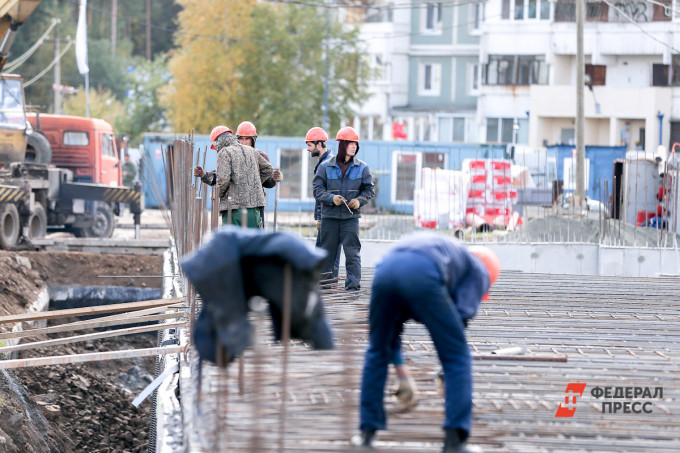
216	132
316	134
246	129
347	133
490	260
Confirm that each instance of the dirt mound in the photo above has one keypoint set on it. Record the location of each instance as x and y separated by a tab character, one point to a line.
74	408
77	407
590	228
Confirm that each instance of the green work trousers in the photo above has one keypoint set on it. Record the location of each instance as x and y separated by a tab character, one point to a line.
252	216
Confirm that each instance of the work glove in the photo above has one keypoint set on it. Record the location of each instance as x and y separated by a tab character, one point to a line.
318	225
354	204
337	200
198	171
277	175
406	396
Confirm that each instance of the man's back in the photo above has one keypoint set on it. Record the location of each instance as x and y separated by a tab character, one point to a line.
240	172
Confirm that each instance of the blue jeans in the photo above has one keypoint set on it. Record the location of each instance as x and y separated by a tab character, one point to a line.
407	286
345	232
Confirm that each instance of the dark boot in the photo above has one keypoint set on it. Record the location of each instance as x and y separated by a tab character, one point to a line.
455	442
364	439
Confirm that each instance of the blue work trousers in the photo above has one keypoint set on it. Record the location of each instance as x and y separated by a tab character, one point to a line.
336	265
407	286
345	232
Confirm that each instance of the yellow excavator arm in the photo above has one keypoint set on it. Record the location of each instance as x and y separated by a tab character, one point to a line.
12	14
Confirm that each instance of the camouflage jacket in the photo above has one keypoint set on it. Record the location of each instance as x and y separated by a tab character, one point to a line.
240	172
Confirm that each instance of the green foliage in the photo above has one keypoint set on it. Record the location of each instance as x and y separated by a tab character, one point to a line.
142	110
268	68
283	92
108	70
103	104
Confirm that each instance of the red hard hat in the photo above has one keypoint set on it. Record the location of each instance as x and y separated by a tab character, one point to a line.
347	133
316	134
217	131
246	129
490	260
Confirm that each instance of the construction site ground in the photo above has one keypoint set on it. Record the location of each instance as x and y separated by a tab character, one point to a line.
74	408
616	333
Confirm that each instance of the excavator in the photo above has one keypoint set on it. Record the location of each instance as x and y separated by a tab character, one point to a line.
61	172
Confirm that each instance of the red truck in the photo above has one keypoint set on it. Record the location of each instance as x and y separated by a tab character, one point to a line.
86	146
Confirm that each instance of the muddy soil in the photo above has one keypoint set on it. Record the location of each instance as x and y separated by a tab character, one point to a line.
74	408
23	274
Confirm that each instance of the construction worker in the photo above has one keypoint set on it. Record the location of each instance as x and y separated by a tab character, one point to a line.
239	176
433	279
247	135
342	185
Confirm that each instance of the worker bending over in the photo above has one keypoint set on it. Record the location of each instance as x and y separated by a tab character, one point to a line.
438	282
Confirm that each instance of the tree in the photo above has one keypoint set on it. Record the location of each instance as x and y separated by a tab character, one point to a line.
273	75
283	92
103	104
142	110
204	67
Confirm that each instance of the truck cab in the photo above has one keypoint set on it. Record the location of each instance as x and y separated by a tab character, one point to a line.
86	146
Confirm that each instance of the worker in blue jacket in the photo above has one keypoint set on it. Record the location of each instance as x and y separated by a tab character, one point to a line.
435	280
342	185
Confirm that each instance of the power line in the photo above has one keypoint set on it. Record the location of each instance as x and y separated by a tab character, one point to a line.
44	71
12	65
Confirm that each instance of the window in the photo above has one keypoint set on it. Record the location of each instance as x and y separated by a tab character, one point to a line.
107	146
526	9
404	174
297	165
660	75
429	79
596	75
76	138
12	104
477	15
432	18
675	73
451	129
290	162
434	160
473	78
516	70
499	130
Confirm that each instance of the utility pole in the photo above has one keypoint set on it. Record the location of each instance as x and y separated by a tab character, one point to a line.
148	30
579	195
325	80
57	73
114	25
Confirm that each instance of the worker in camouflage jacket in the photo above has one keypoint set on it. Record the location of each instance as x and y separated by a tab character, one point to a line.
240	172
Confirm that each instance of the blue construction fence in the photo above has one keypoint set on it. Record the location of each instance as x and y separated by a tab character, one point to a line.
395	166
600	170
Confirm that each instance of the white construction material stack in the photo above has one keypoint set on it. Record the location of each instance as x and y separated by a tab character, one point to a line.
439	203
491	192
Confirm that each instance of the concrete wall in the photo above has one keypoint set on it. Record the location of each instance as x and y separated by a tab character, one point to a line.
575	259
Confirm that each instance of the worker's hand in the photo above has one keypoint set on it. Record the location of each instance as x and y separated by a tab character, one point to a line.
277	175
354	204
338	200
198	171
318	225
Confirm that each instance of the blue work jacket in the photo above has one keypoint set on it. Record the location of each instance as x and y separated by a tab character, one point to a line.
329	181
464	275
317	206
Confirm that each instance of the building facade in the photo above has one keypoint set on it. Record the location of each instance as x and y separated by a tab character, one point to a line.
504	71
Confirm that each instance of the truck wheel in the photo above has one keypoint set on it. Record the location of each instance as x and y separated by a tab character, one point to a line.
38	149
9	226
102	226
37	222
